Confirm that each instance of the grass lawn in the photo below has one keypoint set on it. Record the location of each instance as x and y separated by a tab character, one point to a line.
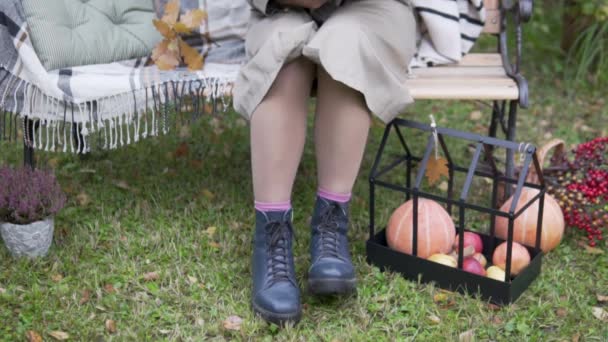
188	219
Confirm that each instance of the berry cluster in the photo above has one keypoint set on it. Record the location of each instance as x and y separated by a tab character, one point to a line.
581	188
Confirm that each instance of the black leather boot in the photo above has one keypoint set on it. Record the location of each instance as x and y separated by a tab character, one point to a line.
331	270
276	295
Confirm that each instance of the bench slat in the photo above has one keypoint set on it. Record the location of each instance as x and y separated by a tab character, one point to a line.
478	76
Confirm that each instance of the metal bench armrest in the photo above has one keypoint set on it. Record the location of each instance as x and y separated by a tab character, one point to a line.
521	12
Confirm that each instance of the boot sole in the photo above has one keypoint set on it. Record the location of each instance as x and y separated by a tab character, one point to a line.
326	287
280	319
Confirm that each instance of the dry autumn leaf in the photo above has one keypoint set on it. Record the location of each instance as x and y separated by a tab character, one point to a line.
57	277
600	314
110	326
164	29
182	150
151	276
181	28
83	199
109	288
33	336
86	296
436	168
233	323
600	298
171	12
467	336
191	56
435	319
59	335
193	19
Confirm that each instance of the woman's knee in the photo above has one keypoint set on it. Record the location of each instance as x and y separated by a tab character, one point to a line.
295	78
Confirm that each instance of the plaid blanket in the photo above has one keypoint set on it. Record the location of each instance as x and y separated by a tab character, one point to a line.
115	104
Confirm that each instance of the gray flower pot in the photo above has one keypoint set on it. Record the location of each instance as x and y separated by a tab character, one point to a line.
29	240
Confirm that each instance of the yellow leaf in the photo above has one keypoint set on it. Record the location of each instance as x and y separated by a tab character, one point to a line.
171	12
167	62
164	29
83	199
435	169
57	277
181	28
435	319
211	231
59	335
193	19
191	56
33	336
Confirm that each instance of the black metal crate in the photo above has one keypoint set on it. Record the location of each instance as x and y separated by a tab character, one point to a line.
416	268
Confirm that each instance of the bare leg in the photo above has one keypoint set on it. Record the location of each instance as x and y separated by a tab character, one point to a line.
278	132
341	128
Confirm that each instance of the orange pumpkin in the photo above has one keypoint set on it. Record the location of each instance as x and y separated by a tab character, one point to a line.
524	228
436	232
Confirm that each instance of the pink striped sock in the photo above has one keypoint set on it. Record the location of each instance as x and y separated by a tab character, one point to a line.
272	206
334	196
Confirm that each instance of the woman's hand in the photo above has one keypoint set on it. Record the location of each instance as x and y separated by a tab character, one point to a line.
310	4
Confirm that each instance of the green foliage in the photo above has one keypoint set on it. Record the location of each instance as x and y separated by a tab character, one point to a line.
587	58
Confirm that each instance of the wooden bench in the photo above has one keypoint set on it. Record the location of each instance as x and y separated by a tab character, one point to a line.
479	76
491	77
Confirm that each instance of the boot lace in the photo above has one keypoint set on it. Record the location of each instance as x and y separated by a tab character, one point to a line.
278	262
329	232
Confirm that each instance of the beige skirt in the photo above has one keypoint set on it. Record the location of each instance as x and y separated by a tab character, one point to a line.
366	44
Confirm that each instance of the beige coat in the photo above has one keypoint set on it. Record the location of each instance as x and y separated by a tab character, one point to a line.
365	44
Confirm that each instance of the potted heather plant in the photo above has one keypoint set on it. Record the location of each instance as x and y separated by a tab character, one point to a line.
29	200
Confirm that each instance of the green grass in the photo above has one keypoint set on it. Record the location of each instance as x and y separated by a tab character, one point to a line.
139	209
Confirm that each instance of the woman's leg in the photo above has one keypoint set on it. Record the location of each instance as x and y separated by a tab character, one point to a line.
278	133
341	126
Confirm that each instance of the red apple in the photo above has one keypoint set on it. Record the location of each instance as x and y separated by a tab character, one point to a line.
470	239
473	266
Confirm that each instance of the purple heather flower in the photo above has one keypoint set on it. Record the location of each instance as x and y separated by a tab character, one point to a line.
28	195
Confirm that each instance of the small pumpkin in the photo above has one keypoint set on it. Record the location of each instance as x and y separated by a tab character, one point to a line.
436	232
525	226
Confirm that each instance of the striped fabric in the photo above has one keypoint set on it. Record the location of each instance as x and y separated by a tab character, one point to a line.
448	30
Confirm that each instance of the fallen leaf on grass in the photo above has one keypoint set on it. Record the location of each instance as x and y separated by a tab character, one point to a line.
110	326
440	298
185	132
497	320
561	312
192	280
600	298
436	168
121	184
593	250
600	314
476	115
109	288
214	244
233	323
86	296
83	199
576	337
33	336
151	276
59	335
466	336
435	319
57	277
182	150
53	163
207	194
211	231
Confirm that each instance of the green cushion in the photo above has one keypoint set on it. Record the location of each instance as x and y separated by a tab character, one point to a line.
68	33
